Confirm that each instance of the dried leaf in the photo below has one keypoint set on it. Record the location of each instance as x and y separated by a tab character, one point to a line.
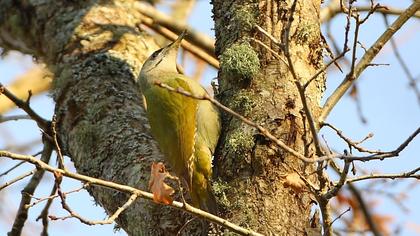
162	193
294	181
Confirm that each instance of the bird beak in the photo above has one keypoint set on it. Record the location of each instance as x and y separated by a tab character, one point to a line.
177	42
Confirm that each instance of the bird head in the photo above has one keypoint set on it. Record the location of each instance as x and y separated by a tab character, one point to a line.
164	59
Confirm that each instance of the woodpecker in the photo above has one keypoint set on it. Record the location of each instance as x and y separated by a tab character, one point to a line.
186	129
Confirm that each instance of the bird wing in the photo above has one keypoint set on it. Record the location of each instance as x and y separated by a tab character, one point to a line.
208	124
208	117
172	118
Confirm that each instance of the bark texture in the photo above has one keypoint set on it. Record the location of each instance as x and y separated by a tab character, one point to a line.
96	50
250	169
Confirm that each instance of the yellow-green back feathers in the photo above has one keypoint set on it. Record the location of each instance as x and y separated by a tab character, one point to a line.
186	129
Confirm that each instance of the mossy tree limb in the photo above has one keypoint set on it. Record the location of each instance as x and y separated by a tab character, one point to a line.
249	167
96	50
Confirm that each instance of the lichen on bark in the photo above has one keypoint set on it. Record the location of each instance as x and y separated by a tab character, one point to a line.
96	51
250	166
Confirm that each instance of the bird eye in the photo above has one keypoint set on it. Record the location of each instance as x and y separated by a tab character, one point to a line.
154	55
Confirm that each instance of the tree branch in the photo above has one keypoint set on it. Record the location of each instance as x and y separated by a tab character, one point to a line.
333	9
17	179
22	213
158	18
367	59
127	189
405	175
24	105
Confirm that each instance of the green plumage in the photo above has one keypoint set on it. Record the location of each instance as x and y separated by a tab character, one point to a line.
186	129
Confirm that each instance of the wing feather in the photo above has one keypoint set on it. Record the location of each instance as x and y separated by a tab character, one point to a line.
172	117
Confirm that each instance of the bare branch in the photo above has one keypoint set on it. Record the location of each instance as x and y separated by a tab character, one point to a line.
367	59
22	213
405	175
270	50
404	66
281	144
339	216
24	105
343	177
274	40
324	207
324	68
57	146
312	125
14	118
11	169
351	143
262	130
44	213
333	9
158	18
53	196
365	210
20	177
127	189
37	79
393	153
193	49
73	214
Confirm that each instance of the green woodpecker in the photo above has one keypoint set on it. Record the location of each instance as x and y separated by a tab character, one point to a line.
186	129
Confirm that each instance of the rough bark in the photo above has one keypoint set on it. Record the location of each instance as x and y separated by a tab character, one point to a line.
250	169
96	49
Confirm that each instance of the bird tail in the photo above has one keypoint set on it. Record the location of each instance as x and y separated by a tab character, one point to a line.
209	202
203	197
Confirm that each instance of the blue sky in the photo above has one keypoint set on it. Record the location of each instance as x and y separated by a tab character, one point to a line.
387	102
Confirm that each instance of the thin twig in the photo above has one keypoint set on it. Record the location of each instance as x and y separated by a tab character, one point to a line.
14	118
11	169
363	206
367	59
270	50
24	105
412	81
324	68
20	177
352	143
44	213
393	153
196	51
405	175
339	216
343	177
184	226
57	146
274	40
22	213
333	9
110	219
53	196
262	130
312	125
127	189
280	143
199	39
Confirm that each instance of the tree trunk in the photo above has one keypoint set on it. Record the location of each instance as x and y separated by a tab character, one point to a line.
96	52
251	170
